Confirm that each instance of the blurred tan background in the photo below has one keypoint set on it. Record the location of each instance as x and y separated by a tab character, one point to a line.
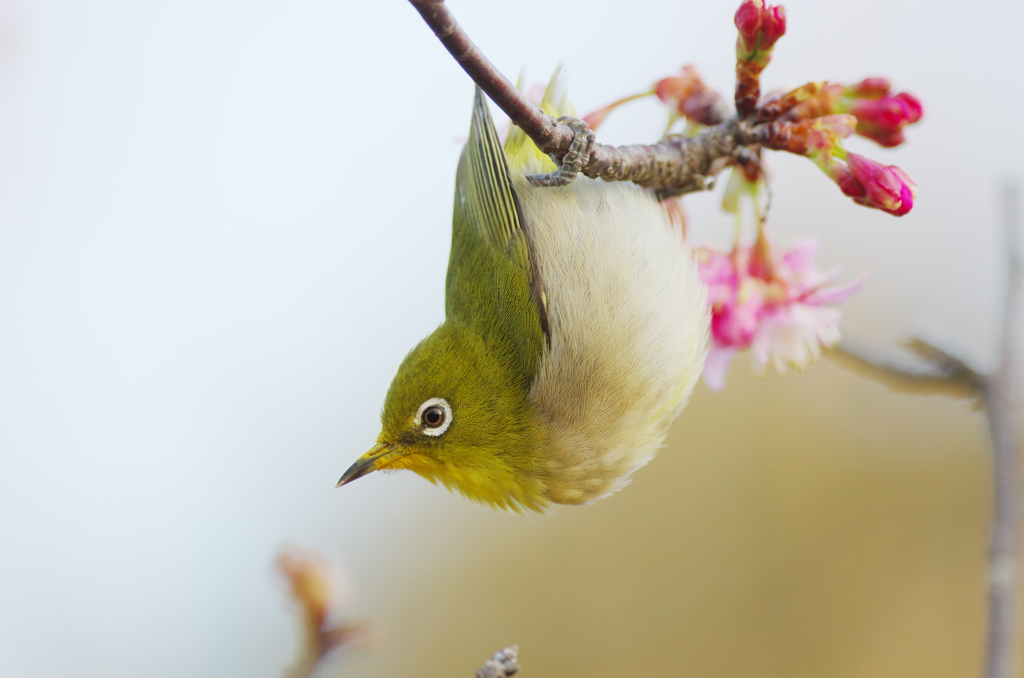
222	225
813	526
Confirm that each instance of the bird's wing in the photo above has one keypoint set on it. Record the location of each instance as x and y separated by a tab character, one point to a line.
493	285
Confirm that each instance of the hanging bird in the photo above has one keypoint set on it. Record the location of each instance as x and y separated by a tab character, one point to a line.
575	329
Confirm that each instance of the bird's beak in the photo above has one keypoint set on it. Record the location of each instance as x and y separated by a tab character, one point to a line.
379	456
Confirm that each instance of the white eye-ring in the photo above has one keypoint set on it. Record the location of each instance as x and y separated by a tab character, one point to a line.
434	416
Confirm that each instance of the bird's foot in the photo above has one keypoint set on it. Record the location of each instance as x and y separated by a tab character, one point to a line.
574	159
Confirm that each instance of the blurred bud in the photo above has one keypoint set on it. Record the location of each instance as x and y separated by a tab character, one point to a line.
825	102
315	587
748	19
776	105
839	126
690	97
706	107
817	138
915	110
678	88
310	583
869	88
773	27
882	120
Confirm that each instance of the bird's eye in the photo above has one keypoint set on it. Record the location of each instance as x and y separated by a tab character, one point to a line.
434	416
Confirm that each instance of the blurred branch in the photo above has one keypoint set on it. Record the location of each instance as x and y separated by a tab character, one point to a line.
940	371
936	371
503	664
314	589
1002	403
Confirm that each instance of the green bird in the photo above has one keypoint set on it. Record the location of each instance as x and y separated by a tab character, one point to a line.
575	328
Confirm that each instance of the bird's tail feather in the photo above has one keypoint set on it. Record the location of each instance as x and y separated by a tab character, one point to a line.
519	148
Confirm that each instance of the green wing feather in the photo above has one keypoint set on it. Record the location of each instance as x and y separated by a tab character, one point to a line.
492	284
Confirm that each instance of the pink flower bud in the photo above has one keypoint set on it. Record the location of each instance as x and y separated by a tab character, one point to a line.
908	192
841	126
886	188
848	183
882	118
689	96
706	107
678	88
884	138
888	113
672	90
773	27
869	88
748	22
759	26
913	104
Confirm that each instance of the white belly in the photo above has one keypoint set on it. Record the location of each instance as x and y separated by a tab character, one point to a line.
628	322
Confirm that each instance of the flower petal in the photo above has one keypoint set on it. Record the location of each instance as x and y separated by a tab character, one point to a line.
830	296
716	367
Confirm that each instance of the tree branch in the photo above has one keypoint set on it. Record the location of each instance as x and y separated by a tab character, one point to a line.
677	165
1002	401
940	373
549	135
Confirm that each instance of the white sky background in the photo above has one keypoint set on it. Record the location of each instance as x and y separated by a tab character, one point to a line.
222	225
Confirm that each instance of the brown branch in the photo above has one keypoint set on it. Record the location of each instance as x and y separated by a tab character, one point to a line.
549	135
1002	401
677	165
503	664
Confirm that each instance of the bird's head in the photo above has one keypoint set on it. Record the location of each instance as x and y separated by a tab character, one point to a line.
455	416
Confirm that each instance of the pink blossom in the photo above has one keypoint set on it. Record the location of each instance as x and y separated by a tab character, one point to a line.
778	306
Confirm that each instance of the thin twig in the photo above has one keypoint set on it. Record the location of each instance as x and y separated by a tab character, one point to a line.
546	132
1001	394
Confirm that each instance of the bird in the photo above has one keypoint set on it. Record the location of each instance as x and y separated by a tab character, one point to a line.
576	326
